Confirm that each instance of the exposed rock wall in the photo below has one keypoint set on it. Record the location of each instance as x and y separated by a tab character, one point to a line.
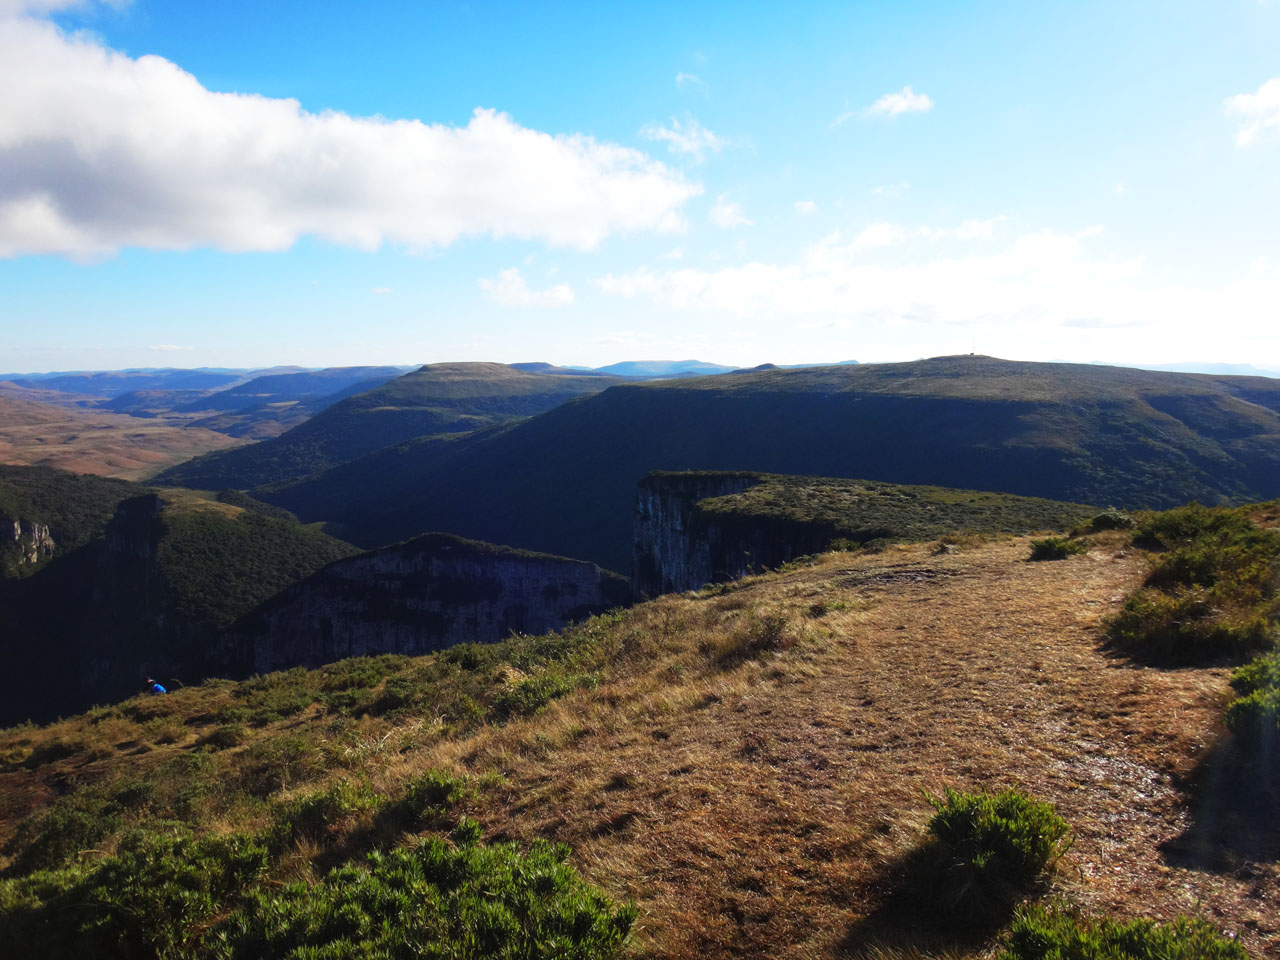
675	549
419	596
26	542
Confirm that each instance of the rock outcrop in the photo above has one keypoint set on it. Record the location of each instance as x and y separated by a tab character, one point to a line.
676	547
415	597
26	543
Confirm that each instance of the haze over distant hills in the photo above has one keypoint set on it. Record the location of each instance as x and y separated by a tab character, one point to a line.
564	481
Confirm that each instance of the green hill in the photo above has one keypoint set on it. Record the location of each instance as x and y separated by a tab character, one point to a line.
438	398
145	590
564	482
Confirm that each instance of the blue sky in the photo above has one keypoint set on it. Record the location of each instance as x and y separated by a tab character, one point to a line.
245	184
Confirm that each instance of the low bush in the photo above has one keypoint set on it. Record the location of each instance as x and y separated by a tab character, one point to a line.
148	900
1112	519
1057	548
1255	720
433	900
313	814
69	826
531	694
758	635
1187	627
996	844
1040	934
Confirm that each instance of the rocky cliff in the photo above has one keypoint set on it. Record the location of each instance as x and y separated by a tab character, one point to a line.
705	527
422	595
24	543
675	547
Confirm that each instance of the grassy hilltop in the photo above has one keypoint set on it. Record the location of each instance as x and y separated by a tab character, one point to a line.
564	481
748	766
437	398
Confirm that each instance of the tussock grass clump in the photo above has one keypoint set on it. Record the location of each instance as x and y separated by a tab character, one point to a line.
311	815
1057	548
1040	934
997	845
528	696
759	634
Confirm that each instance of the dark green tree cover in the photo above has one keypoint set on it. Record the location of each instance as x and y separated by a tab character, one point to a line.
75	506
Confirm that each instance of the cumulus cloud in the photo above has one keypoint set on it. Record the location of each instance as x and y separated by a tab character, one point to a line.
1259	112
690	138
509	289
99	151
727	214
805	207
905	100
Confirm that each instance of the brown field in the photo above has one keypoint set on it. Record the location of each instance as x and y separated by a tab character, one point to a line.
764	805
106	444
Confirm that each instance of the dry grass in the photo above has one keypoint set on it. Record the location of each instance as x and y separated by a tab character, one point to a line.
757	804
105	444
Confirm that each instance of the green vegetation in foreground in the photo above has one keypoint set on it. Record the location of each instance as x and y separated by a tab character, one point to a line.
997	845
203	836
161	896
1049	934
1057	548
1211	591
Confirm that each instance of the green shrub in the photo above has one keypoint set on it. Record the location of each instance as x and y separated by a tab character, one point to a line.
433	901
149	900
1188	626
1040	934
1258	674
313	814
56	835
1112	519
996	843
224	737
1255	720
533	693
1057	548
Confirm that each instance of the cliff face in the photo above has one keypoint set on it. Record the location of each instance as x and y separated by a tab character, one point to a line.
26	543
415	597
675	548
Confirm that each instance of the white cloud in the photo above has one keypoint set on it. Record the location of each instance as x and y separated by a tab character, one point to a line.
905	100
727	214
841	119
510	290
1259	112
690	79
691	138
380	291
805	207
99	151
167	347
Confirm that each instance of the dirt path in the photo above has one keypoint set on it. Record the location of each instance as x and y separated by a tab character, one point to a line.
755	821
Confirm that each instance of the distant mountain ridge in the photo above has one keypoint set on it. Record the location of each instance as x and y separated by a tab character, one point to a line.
437	398
564	482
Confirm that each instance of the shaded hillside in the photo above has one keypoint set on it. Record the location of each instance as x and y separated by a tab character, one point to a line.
431	592
144	596
564	482
107	444
438	398
46	513
747	765
705	527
